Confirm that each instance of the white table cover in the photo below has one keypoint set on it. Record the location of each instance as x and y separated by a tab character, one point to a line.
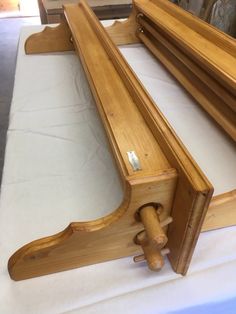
58	169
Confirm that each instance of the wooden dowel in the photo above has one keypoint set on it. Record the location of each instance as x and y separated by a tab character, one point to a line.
165	251
141	258
166	222
151	222
153	257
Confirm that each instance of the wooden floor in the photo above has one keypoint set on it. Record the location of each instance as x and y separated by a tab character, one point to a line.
9	35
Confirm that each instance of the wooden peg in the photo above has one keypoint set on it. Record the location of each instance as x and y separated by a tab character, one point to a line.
153	257
166	221
152	254
151	222
141	258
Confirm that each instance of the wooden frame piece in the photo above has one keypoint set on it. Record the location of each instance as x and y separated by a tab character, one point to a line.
168	175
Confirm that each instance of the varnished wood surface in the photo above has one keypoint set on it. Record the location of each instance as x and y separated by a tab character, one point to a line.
132	122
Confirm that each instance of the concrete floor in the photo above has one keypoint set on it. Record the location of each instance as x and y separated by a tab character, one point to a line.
9	35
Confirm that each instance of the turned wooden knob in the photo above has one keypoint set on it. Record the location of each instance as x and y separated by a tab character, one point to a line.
151	222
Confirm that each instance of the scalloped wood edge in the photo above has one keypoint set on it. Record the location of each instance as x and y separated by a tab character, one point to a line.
124	33
51	39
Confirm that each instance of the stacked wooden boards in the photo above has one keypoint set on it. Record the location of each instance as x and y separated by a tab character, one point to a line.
201	58
168	178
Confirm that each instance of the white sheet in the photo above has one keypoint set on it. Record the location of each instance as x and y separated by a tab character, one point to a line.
57	152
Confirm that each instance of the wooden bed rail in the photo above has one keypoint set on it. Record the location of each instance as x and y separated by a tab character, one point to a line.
162	183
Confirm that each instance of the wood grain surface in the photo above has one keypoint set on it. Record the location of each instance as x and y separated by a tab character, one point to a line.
133	122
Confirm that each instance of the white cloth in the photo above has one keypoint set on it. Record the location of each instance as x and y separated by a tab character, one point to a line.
58	169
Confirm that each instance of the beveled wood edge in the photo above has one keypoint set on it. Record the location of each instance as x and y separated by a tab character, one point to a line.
199	210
